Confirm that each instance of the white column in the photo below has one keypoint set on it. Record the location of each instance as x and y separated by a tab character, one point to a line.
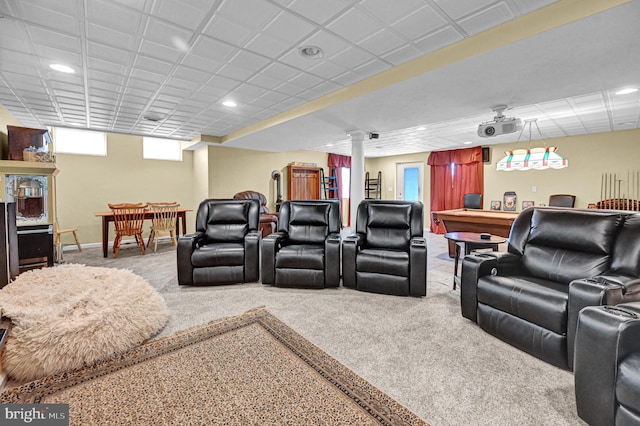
357	172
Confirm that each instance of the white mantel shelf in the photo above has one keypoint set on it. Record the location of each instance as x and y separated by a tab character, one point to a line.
28	167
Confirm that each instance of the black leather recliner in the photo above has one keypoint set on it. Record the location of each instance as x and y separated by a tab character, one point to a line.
305	252
225	248
607	365
388	253
558	262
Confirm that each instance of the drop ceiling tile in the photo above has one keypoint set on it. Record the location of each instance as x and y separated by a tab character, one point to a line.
320	90
147	76
438	39
402	55
228	31
153	65
306	80
486	19
289	28
53	15
106	77
167	34
372	68
347	78
109	54
328	70
526	6
109	36
318	12
207	64
267	45
382	42
288	89
160	51
420	23
262	12
458	8
390	12
194	75
280	71
187	14
115	88
51	55
14	42
114	16
52	38
264	81
354	26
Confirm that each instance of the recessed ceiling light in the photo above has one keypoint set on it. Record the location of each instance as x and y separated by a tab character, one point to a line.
152	117
421	128
311	52
62	68
329	144
468	143
627	91
229	103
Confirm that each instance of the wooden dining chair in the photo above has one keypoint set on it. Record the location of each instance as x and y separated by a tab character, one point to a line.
128	220
164	222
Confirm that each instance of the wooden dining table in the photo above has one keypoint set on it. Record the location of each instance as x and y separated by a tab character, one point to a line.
107	217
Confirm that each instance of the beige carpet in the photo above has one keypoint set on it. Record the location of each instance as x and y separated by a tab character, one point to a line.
251	369
70	316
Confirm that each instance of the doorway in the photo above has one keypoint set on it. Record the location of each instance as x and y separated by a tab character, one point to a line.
409	181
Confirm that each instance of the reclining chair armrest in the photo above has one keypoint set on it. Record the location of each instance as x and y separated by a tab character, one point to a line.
605	336
350	247
597	291
418	267
270	246
332	260
474	266
186	245
252	256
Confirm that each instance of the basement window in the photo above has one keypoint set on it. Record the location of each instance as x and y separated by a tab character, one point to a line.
76	141
161	149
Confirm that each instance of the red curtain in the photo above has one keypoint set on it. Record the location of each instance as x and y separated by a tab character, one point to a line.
336	161
453	174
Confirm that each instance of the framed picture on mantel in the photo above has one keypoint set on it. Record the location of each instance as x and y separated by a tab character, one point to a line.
509	202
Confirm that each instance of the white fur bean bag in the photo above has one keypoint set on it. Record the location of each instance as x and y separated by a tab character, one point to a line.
69	316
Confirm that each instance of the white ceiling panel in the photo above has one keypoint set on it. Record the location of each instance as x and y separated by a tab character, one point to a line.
487	18
419	23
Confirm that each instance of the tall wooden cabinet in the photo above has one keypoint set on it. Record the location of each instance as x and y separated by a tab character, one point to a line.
303	182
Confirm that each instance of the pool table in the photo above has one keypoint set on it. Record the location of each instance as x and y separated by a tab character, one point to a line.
472	220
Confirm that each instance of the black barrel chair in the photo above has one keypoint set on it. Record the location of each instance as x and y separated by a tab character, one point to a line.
305	252
607	365
388	253
225	249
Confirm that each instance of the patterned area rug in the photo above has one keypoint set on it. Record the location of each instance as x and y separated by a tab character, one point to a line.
251	369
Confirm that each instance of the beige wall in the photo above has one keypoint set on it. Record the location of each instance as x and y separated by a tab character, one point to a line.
233	170
86	184
589	157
